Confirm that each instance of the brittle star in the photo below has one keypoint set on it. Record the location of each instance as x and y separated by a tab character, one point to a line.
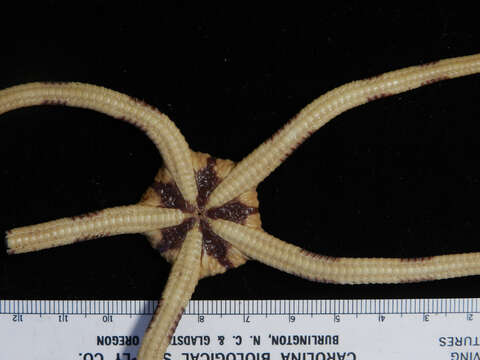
201	213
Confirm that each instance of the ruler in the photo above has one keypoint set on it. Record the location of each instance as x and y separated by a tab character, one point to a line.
246	329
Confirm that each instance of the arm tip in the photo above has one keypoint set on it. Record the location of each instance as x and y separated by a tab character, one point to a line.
4	247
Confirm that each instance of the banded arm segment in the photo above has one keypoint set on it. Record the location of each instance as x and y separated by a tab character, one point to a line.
181	283
161	130
274	252
113	221
249	172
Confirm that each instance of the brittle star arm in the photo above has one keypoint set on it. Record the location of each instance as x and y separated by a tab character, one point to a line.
181	283
161	130
114	221
292	259
267	157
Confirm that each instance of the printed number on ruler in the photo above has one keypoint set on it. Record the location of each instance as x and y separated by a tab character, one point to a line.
246	330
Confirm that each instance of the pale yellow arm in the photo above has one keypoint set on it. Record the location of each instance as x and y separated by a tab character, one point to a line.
161	130
113	221
290	258
260	163
179	289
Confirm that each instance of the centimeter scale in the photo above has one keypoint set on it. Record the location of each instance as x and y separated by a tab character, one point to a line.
246	330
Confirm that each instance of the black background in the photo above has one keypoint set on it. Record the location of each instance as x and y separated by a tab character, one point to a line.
396	178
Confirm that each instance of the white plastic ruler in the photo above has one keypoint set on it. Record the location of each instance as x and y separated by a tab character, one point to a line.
246	330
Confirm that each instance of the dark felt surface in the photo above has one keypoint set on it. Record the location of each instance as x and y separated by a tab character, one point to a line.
397	177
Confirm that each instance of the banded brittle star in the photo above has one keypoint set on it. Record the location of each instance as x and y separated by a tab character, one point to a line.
201	213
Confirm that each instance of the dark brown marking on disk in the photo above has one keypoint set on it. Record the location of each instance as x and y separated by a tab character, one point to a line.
174	236
214	245
435	80
234	210
172	197
85	216
378	96
54	102
417	259
207	180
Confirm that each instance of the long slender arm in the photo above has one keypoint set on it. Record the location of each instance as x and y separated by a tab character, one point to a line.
267	157
113	221
161	130
179	289
295	260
